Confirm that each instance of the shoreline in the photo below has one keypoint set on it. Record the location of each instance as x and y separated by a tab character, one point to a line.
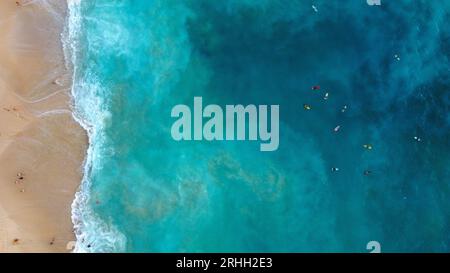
42	146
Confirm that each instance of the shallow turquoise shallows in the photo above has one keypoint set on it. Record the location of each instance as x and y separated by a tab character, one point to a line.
383	176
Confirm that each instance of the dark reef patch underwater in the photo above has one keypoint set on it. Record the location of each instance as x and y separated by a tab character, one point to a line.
387	74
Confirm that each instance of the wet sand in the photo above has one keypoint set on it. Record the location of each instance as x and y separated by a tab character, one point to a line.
39	139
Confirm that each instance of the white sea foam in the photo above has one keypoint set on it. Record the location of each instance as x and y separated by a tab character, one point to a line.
92	233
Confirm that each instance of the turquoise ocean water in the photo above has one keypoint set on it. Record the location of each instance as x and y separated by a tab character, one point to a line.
144	192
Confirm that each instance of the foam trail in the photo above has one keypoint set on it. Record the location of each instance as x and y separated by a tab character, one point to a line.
89	230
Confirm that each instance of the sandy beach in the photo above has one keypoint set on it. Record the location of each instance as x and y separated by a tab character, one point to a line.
42	148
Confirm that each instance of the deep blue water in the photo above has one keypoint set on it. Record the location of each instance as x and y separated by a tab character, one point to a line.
145	192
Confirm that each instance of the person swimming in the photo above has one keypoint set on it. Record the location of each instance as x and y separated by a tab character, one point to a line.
307	106
368	146
315	87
